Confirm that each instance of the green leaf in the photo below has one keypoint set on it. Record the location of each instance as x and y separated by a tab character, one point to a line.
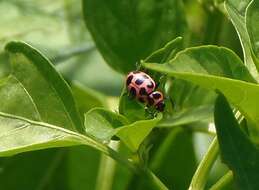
133	134
21	135
73	162
104	124
37	108
186	95
101	123
216	68
134	29
191	103
237	151
45	90
191	115
236	10
167	52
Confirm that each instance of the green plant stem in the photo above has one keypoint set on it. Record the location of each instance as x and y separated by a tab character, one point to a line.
200	177
66	54
154	180
150	176
223	181
106	170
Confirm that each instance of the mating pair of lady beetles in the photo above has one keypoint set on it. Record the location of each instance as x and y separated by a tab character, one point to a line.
141	86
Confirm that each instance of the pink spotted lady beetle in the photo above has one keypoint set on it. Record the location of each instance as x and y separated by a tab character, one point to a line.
141	86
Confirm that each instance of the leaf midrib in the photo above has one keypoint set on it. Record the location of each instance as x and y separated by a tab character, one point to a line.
79	138
73	124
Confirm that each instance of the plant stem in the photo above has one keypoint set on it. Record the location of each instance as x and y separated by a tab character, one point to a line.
200	177
154	180
223	181
107	170
66	54
150	176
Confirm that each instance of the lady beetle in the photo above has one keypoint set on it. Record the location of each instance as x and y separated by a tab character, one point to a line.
156	99
140	85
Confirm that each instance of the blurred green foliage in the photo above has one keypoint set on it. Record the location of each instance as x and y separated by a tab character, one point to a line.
57	29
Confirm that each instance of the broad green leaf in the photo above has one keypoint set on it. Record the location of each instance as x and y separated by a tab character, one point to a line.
236	10
167	52
212	60
237	151
48	93
35	91
21	135
101	123
131	30
104	124
212	68
191	115
73	162
186	95
191	103
133	134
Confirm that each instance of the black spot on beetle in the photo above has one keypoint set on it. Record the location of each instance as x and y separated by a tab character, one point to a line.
142	91
129	79
133	92
135	72
156	95
139	81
